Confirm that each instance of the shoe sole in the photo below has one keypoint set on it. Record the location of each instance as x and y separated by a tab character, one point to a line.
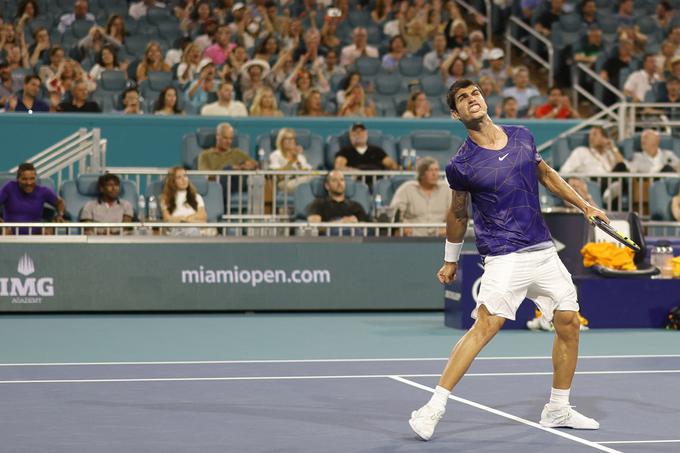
545	425
420	436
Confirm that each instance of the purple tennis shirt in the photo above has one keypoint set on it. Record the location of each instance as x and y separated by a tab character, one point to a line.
503	187
25	207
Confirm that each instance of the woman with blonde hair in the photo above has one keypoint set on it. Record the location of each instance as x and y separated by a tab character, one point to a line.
187	70
264	103
152	61
289	156
181	203
311	105
356	105
418	106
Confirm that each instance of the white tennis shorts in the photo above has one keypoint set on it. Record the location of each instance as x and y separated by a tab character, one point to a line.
538	275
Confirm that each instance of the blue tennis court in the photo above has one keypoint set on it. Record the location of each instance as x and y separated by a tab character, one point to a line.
163	398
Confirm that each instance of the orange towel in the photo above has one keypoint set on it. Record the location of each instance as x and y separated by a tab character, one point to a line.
609	255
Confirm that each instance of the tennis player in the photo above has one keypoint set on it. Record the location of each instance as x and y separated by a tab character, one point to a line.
498	168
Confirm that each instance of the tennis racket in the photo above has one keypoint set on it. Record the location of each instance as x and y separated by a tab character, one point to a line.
607	228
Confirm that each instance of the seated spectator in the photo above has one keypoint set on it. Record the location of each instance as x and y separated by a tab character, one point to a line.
26	12
225	104
350	81
329	33
16	56
201	16
167	103
289	156
359	155
508	108
107	60
672	95
39	50
589	12
397	50
48	71
152	61
497	68
478	49
29	100
675	207
358	48
425	200
301	81
232	68
625	13
417	106
108	208
223	156
330	66
80	12
434	59
665	57
558	106
93	43
589	47
381	12
455	67
139	9
456	32
311	105
613	66
68	74
79	102
674	70
336	207
546	20
23	200
652	159
221	49
522	91
199	91
187	70
115	29
488	86
265	104
131	103
664	14
356	104
253	77
268	50
310	48
181	203
640	82
6	84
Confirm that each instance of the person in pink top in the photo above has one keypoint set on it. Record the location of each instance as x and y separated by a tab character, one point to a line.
220	50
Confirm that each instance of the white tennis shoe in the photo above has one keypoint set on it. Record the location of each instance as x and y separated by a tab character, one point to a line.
566	417
424	421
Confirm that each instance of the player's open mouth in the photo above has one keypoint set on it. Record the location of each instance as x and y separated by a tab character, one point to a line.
475	108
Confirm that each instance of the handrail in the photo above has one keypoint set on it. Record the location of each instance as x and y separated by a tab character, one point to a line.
487	17
593	120
511	40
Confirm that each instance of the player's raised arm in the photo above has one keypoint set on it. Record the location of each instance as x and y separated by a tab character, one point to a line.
456	225
559	187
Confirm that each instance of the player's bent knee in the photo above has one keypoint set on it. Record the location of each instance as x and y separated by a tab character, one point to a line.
487	325
567	324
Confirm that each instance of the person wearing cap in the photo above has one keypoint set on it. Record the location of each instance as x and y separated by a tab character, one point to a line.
139	9
360	155
222	47
199	90
497	69
640	82
433	60
225	105
254	75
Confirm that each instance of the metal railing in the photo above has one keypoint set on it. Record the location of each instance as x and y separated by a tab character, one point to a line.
81	152
512	40
487	17
664	116
595	120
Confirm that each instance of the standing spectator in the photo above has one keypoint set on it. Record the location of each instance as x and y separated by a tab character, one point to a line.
26	12
417	24
108	207
359	155
640	82
497	68
152	61
424	200
29	100
131	103
330	66
95	41
223	156
478	49
417	106
69	72
397	50
18	64
79	102
198	92
310	47
289	156
590	47
434	59
167	103
652	159
139	9
336	206
311	105
115	29
222	47
291	39
358	48
522	91
455	66
329	33
23	200
456	32
558	106
264	103
356	104
225	104
80	12
300	81
268	50
107	60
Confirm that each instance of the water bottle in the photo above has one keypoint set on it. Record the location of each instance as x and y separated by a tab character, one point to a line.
378	206
262	158
412	159
153	209
141	208
405	160
667	263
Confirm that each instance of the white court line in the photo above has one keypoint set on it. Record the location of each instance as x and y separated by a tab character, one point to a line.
414	359
510	416
283	378
670	441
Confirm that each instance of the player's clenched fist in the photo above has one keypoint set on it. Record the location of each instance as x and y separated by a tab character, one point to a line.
447	273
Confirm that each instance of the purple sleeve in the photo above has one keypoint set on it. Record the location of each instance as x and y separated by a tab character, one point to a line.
537	155
49	196
4	193
454	178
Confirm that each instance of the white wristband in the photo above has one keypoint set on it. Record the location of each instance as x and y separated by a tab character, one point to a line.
452	251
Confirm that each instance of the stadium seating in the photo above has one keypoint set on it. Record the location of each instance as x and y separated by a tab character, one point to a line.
76	193
311	143
375	137
194	143
307	192
387	187
437	144
210	191
660	195
632	144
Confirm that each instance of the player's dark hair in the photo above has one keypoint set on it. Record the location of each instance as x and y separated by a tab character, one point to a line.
24	167
106	178
459	85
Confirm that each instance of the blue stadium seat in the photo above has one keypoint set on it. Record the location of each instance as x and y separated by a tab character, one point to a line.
159	80
438	144
368	66
84	188
563	147
80	28
136	44
387	187
210	191
632	144
107	101
359	18
113	81
194	143
411	66
310	142
433	85
660	195
389	85
375	137
307	192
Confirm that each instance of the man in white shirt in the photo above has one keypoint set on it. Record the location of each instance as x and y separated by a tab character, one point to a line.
225	106
424	200
522	90
139	9
80	12
652	159
433	59
358	48
640	82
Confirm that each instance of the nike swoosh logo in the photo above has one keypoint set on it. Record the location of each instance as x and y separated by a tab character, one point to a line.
503	157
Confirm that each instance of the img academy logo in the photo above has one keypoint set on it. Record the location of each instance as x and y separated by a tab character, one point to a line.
26	289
